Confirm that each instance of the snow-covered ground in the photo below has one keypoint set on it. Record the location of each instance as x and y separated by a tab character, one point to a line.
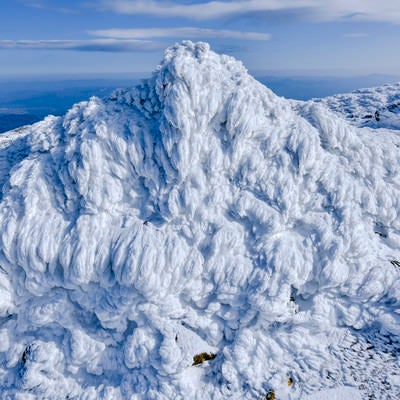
377	107
342	393
199	213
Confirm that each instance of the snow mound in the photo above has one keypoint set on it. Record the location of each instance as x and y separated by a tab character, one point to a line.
197	213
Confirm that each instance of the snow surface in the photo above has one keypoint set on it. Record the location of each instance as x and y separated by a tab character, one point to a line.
343	393
199	212
377	107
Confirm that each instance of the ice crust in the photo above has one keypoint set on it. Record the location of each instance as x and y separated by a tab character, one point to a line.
197	212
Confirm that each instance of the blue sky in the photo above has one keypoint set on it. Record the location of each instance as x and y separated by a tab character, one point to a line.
337	37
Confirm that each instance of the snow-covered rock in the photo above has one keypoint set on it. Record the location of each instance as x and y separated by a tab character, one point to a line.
377	107
198	213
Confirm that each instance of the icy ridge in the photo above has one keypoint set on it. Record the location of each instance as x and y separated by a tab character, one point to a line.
194	213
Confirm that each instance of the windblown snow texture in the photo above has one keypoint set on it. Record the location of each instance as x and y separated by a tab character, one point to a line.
198	212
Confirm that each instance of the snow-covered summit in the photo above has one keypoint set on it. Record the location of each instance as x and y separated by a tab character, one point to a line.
198	213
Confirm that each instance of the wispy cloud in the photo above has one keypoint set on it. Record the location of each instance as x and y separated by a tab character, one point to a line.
204	10
316	10
355	35
104	45
44	5
184	32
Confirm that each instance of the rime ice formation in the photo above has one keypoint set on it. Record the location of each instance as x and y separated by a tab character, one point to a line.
198	213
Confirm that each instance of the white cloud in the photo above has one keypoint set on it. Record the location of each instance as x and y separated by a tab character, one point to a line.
205	10
108	45
316	10
44	5
184	32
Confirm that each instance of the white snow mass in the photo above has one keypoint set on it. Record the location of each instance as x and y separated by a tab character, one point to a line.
198	218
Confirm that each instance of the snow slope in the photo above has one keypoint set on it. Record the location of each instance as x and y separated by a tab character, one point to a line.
198	212
377	107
